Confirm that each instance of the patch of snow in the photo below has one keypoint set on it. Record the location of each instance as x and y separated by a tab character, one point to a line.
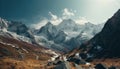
25	50
89	55
77	56
8	44
64	58
71	33
4	30
52	52
88	64
84	33
99	47
19	37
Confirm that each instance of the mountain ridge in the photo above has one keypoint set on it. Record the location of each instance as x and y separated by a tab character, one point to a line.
52	36
105	44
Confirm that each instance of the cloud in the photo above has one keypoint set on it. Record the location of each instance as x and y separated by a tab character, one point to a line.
54	19
68	13
81	20
40	23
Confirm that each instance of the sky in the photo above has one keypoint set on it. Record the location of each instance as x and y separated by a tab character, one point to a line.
38	12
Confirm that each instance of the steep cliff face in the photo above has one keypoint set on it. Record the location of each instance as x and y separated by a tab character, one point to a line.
107	42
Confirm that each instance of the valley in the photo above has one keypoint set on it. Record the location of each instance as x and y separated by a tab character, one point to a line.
65	46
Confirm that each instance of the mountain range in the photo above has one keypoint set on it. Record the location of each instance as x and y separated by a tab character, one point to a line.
63	37
67	35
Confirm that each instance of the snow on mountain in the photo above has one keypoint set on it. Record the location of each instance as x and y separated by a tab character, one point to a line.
49	31
6	27
70	28
73	29
12	48
68	25
20	29
15	30
63	37
67	34
41	40
87	31
50	37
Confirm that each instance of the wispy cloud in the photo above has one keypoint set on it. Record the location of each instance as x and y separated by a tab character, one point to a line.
40	24
54	19
67	13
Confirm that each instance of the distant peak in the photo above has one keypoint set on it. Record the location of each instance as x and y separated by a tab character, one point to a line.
49	23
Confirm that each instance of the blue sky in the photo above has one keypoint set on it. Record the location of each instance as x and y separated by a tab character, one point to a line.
40	11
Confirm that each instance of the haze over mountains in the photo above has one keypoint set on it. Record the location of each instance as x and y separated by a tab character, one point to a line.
63	37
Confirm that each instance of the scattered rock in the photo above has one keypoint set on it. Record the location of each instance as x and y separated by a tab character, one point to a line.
100	66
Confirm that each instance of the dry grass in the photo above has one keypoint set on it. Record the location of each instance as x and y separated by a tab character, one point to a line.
10	56
8	63
72	65
108	62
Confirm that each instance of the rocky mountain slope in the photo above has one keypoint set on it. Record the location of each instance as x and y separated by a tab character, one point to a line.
16	29
105	44
15	54
17	49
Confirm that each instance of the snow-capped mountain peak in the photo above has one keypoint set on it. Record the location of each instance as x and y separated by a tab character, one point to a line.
49	24
48	27
67	22
68	25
